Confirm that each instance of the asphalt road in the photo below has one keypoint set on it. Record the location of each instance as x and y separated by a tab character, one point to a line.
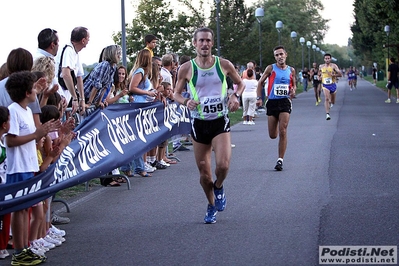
339	186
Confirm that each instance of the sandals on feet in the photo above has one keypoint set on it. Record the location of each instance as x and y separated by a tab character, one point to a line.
114	184
144	174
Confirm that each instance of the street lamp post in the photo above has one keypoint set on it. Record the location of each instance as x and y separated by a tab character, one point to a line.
259	14
317	50
302	42
308	44
314	52
124	55
387	29
279	27
293	37
218	25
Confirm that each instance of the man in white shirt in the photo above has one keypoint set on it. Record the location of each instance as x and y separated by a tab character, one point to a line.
71	69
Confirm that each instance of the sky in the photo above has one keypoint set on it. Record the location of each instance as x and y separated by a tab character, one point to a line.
22	20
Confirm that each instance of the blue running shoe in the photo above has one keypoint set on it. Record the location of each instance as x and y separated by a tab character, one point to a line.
220	198
210	216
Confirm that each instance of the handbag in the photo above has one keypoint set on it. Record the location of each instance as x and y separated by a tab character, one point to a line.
61	80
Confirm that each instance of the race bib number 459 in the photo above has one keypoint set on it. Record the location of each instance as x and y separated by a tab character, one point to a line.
281	89
212	104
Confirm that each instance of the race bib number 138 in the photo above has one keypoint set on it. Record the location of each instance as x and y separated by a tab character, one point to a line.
281	89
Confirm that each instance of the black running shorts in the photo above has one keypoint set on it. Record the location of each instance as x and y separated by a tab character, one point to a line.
276	106
203	131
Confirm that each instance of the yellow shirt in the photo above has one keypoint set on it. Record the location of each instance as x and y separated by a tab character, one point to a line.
326	75
152	53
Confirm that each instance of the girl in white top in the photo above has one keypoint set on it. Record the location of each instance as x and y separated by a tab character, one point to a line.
249	98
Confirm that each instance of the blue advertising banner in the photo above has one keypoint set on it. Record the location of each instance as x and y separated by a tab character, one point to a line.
105	140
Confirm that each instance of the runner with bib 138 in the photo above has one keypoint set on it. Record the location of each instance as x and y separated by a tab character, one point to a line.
281	89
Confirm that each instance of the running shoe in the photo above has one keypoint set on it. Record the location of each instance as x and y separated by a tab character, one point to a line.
26	257
279	165
164	163
220	198
57	231
245	123
210	216
4	254
37	248
397	100
45	244
328	117
158	165
331	105
251	123
388	101
148	168
319	100
317	103
56	219
51	240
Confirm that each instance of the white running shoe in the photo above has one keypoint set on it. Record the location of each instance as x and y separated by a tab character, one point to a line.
245	123
148	168
328	117
45	244
164	163
4	254
57	231
251	123
37	249
54	241
57	237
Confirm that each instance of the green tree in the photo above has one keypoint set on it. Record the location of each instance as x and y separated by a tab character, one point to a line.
369	37
237	39
174	29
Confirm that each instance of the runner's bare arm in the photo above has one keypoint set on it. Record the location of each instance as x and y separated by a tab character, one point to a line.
182	78
337	70
262	80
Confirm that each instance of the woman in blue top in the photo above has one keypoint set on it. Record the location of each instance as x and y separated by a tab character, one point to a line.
140	84
143	92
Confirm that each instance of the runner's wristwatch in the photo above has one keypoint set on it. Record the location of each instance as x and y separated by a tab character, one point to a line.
237	95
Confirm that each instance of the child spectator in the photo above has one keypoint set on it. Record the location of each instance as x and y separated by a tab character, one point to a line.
6	218
22	160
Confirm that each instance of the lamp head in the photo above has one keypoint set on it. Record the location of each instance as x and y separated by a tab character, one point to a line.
302	41
308	44
314	47
279	25
387	29
293	35
259	13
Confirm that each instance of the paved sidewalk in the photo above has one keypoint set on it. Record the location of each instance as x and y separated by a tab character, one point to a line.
338	187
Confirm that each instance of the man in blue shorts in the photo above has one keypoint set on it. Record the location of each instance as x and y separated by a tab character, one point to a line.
328	75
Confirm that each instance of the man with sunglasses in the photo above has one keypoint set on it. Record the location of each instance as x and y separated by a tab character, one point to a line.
281	89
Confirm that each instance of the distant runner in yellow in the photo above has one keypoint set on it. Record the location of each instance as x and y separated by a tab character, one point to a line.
328	75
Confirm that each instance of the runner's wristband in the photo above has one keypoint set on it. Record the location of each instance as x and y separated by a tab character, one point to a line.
185	101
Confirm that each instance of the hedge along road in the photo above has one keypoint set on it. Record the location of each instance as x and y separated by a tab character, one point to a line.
338	187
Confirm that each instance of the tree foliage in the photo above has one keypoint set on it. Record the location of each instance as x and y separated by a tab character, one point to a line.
239	29
369	37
